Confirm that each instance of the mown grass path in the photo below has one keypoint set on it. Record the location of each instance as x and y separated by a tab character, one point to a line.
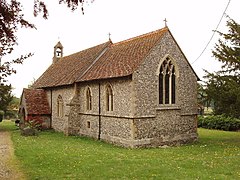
8	165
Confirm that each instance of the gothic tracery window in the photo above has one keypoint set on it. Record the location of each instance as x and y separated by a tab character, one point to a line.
89	99
167	82
109	100
59	106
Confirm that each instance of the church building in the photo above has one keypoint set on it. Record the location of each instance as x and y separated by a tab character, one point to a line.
140	92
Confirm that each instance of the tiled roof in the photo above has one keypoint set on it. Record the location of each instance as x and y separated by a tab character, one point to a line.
123	58
100	62
36	101
66	70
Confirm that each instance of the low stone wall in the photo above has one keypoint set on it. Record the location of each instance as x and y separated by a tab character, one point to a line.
116	127
168	128
58	124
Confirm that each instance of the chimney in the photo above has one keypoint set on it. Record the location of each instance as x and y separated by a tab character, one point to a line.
58	52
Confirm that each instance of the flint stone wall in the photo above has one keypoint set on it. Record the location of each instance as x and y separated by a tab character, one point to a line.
67	93
100	122
137	120
168	128
165	124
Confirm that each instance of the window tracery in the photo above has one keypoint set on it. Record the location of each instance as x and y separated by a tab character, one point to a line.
167	82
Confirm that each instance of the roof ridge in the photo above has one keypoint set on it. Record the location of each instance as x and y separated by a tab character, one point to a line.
141	36
107	42
104	60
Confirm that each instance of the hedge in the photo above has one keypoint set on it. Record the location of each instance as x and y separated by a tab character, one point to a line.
220	122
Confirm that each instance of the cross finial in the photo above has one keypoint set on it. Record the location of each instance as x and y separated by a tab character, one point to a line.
109	36
165	20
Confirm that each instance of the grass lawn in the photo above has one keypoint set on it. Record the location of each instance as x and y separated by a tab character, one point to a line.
52	155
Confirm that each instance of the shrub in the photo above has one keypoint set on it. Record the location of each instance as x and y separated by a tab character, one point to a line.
220	122
34	122
30	128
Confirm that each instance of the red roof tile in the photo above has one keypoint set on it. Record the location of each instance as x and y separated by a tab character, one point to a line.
69	68
106	60
123	58
36	101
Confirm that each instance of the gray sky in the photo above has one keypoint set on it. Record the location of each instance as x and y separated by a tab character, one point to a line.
191	23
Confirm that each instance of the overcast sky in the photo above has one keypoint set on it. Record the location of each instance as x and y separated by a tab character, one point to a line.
191	23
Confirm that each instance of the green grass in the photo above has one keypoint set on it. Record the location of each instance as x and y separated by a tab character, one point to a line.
7	125
52	155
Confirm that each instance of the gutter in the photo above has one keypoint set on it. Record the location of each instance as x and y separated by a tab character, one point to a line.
51	110
99	111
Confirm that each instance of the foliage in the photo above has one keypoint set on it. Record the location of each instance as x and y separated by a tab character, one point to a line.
223	87
8	103
12	109
40	6
11	18
74	4
7	125
69	157
5	97
219	122
202	98
227	50
30	127
30	85
34	122
1	115
224	90
11	114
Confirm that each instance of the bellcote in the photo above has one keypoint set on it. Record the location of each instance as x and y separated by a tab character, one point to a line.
58	52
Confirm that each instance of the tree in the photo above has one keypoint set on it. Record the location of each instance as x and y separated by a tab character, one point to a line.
224	90
5	97
11	18
203	99
227	50
12	109
223	87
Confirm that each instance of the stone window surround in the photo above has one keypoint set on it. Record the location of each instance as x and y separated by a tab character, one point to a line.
88	124
168	106
109	97
60	106
88	99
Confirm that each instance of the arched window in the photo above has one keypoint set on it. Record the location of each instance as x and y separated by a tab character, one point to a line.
89	99
167	83
109	100
59	106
